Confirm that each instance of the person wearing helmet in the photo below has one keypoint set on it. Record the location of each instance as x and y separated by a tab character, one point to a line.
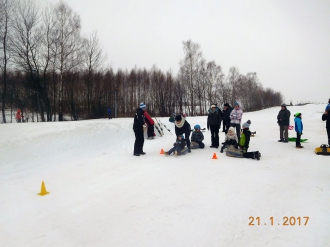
197	137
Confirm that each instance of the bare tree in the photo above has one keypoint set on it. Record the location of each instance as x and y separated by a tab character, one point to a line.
6	19
67	45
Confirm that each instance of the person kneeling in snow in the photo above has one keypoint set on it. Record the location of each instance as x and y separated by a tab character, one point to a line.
231	139
177	146
245	141
197	138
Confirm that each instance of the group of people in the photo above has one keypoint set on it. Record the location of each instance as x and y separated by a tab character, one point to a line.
237	140
283	120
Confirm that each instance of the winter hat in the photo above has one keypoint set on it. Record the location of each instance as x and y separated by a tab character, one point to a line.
248	121
231	129
284	105
181	136
197	126
236	103
246	125
297	114
142	106
213	106
178	118
226	104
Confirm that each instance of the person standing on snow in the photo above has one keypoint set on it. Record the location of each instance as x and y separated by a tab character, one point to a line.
226	117
236	118
183	127
283	120
138	125
109	113
326	117
214	122
299	128
19	116
150	124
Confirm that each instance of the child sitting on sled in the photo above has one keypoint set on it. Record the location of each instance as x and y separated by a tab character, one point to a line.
231	139
177	146
197	138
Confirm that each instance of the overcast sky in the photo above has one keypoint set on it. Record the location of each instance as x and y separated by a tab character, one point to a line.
286	42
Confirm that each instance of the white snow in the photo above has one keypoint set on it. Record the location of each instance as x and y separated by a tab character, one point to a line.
102	195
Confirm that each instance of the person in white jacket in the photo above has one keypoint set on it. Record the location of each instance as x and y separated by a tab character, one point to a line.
236	118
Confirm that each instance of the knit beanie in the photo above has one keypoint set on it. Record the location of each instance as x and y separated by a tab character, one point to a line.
142	106
246	125
226	104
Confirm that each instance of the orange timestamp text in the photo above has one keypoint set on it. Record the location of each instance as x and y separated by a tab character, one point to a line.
286	221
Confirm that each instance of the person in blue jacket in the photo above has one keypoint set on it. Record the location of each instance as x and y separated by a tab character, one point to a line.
299	128
109	113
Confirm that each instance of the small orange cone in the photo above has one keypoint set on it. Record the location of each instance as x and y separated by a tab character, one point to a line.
162	151
43	190
215	156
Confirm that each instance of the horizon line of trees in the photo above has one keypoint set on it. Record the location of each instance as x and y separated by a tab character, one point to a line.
49	69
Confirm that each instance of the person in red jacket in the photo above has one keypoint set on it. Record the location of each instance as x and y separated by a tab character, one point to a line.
150	123
19	115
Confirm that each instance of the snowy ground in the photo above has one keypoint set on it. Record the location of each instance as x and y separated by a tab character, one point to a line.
101	195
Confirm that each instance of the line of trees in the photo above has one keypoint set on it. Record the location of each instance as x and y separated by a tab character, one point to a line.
49	69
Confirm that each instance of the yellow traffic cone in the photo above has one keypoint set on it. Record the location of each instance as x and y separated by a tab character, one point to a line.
43	190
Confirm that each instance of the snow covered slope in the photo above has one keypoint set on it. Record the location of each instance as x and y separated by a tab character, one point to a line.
102	195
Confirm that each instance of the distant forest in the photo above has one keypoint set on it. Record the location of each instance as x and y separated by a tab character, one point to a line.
50	70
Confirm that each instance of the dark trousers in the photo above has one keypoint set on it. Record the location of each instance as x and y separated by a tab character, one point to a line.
151	130
201	144
215	135
226	126
284	133
139	141
109	115
298	140
328	131
238	130
178	149
249	155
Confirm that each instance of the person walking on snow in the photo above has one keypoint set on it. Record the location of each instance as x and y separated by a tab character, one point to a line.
214	122
183	127
299	128
235	119
138	125
283	120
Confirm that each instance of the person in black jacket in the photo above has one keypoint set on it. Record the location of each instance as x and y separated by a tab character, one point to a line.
326	117
183	127
283	120
214	123
138	130
226	117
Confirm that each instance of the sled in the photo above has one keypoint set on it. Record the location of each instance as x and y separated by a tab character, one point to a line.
233	152
291	127
323	149
293	139
194	145
183	151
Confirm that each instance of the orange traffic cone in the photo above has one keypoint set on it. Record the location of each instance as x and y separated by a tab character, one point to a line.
43	190
162	151
215	156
